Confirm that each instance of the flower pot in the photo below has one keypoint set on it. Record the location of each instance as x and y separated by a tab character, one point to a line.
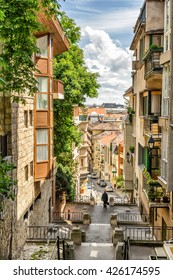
165	199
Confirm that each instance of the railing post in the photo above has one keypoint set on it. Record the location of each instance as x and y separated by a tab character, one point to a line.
63	250
58	249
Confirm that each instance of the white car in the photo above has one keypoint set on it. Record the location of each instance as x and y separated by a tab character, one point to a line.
109	189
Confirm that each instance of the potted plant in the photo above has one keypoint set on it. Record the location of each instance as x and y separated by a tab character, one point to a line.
151	194
132	149
158	194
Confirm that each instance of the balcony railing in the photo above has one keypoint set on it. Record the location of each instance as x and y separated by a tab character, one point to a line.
151	125
152	62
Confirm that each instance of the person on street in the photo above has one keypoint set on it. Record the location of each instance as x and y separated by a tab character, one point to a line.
105	199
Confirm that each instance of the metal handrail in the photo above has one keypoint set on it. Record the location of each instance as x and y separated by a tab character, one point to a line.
70	216
132	217
148	233
48	232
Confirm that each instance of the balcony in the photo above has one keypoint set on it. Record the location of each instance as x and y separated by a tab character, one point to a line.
151	126
156	195
58	89
152	63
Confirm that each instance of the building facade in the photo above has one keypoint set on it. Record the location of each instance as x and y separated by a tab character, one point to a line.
27	140
148	129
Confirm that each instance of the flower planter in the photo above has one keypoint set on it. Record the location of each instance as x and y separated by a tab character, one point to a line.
165	199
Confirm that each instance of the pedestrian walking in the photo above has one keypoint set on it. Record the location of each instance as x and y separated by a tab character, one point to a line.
105	199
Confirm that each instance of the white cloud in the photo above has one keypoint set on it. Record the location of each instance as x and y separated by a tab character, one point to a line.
111	61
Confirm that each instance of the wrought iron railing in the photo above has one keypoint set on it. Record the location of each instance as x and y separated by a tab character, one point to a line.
152	62
132	217
48	232
64	216
123	200
82	198
148	233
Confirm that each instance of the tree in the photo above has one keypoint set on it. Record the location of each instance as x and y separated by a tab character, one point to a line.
79	83
18	23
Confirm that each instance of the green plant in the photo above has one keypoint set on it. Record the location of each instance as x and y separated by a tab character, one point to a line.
132	149
120	181
6	180
153	46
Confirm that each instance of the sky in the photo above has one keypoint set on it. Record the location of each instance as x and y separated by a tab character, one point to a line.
106	36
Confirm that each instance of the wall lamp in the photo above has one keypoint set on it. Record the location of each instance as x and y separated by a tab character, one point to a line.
151	143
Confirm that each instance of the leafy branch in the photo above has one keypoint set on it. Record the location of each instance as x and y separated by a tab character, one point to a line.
6	180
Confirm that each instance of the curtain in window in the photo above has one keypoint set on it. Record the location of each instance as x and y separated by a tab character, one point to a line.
42	136
42	153
42	44
155	104
41	101
42	84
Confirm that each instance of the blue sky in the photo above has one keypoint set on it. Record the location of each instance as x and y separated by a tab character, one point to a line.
107	32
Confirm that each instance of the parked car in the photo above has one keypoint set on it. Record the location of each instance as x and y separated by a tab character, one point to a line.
109	189
103	183
99	181
94	175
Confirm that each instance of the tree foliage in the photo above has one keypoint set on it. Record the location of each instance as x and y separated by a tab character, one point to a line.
6	180
79	83
18	23
65	180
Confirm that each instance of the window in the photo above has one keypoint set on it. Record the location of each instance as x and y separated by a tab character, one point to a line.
42	44
42	84
156	40
26	118
31	168
155	104
30	118
41	101
82	162
42	145
145	105
26	173
141	49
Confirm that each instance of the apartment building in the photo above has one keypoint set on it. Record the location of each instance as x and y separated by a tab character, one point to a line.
148	125
82	152
27	139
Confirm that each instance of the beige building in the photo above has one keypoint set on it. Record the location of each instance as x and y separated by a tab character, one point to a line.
148	123
82	152
27	139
